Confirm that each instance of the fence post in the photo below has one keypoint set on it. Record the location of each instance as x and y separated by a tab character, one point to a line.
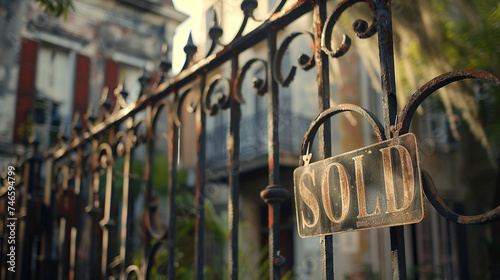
30	225
324	133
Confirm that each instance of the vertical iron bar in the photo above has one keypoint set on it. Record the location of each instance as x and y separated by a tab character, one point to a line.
106	223
174	154
273	113
274	158
324	133
126	222
63	225
234	174
46	262
93	209
200	188
386	54
77	227
25	227
47	265
148	177
398	252
273	194
30	192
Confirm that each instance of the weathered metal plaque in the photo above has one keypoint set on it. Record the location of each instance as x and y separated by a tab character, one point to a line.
375	186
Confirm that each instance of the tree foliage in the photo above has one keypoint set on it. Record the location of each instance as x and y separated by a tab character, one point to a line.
57	8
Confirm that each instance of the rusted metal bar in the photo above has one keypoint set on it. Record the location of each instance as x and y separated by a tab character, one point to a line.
30	191
386	55
107	223
234	174
325	150
77	227
63	222
174	157
148	187
273	194
93	209
200	189
127	207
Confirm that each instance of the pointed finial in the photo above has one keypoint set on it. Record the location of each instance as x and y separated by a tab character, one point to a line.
190	48
165	64
215	31
123	92
63	136
76	123
90	115
145	77
105	102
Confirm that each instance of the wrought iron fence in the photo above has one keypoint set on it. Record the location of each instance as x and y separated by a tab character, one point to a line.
82	189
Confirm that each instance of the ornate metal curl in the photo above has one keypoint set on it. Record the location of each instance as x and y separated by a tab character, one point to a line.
277	8
403	126
222	99
377	126
247	6
156	110
119	143
160	233
105	104
121	95
360	27
178	106
432	86
437	202
305	62
139	136
105	155
259	85
134	268
151	257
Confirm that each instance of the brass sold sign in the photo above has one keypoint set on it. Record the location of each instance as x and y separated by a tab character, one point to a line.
375	186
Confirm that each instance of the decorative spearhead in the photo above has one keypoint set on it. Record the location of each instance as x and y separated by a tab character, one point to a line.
105	102
123	92
165	64
76	123
190	48
215	31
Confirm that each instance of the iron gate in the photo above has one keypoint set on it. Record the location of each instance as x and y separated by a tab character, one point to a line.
48	190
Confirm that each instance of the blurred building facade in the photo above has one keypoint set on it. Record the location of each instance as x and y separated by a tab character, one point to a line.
53	68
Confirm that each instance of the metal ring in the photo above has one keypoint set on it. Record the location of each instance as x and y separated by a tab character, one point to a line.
328	113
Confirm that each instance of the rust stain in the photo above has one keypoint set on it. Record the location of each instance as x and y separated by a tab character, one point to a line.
271	216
